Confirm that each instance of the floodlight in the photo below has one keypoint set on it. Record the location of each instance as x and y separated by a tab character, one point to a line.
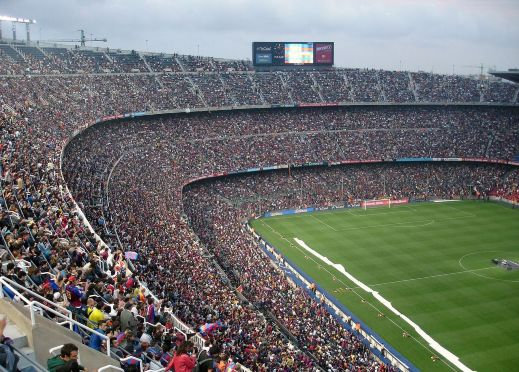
18	20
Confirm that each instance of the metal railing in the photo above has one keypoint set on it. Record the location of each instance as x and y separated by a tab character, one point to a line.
16	288
33	364
38	307
122	360
52	350
110	367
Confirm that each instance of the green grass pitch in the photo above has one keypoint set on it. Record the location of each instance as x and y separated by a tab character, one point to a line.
432	261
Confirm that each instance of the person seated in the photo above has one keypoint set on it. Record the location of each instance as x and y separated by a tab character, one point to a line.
8	359
66	361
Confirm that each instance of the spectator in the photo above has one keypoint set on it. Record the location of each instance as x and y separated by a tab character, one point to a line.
183	361
127	318
205	361
96	341
8	359
66	361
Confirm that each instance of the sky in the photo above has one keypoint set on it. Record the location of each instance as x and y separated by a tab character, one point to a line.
442	36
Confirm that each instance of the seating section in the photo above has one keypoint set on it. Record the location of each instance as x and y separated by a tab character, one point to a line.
445	88
115	229
296	86
127	62
162	63
171	151
364	85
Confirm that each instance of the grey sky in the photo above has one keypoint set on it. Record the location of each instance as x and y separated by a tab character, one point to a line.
391	34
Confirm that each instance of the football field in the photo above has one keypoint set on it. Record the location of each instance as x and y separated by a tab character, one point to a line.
431	261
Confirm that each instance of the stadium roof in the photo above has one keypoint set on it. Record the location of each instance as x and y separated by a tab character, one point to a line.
512	74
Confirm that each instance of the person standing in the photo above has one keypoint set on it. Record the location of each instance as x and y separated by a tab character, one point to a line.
183	361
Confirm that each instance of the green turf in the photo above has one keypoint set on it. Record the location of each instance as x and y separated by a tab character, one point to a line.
432	261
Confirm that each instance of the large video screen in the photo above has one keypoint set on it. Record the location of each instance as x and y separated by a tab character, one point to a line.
292	53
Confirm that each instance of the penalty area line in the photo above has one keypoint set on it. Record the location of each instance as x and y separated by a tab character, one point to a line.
432	276
321	221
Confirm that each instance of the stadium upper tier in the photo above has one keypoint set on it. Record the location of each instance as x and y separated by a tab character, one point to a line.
129	175
190	81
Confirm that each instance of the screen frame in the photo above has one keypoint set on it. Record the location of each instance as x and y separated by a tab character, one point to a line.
273	63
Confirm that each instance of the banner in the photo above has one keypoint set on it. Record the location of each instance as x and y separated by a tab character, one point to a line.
376	203
323	104
131	255
288	211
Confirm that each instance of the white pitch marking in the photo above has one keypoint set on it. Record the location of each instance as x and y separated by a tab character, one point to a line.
405	222
321	221
432	343
433	276
353	290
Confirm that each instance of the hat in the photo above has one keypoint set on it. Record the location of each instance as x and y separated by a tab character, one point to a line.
145	338
72	278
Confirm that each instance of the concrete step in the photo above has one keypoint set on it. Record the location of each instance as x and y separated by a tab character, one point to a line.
29	364
24	363
21	344
14	333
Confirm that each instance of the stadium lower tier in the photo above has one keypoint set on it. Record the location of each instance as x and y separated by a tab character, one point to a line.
216	209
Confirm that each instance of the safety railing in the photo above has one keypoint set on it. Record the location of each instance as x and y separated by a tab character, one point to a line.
122	360
36	307
110	367
35	365
52	350
16	289
71	322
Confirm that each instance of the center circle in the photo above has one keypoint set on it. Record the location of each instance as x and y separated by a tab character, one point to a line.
480	264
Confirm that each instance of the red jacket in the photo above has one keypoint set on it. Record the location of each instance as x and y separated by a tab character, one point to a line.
182	363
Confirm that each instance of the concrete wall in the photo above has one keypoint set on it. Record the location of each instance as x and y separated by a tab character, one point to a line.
46	334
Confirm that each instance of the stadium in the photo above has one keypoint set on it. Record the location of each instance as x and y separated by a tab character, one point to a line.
279	214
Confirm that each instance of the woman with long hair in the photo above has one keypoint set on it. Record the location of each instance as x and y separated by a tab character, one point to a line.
183	361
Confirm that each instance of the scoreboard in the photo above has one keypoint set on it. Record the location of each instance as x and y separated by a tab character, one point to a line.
292	53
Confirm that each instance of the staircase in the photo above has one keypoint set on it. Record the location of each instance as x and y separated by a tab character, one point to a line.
379	87
412	86
316	87
34	334
143	58
256	89
180	64
348	86
196	90
227	92
489	144
21	346
286	88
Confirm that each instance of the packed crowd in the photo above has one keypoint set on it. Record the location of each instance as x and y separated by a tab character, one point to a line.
223	82
128	178
321	186
157	157
508	188
217	208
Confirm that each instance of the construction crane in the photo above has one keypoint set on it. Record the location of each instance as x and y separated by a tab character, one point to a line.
481	66
81	40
